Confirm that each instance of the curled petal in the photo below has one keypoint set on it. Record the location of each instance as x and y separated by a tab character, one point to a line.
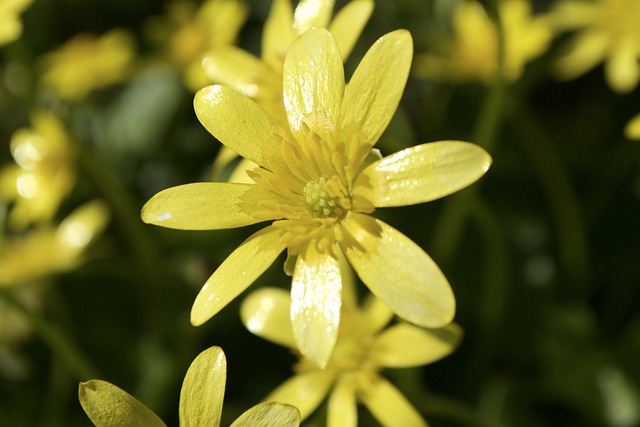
422	173
348	24
387	404
398	271
265	313
269	414
236	273
109	406
202	390
304	391
404	345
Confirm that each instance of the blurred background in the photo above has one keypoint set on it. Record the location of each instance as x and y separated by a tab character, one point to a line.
543	253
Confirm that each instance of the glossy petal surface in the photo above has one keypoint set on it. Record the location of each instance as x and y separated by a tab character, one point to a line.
269	414
422	173
388	405
236	273
265	313
316	291
399	272
404	345
304	391
205	206
202	390
348	24
373	93
109	406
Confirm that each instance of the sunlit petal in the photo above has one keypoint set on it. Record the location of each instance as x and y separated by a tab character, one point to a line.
316	291
265	312
278	32
404	345
388	405
422	173
342	408
310	13
313	83
348	24
398	272
235	68
304	391
82	226
269	414
202	390
374	91
108	406
237	273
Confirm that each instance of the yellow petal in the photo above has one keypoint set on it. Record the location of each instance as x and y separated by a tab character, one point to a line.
236	273
82	226
313	83
205	206
269	414
235	68
388	405
310	13
404	345
109	406
348	24
240	124
632	129
582	53
202	391
422	173
304	391
376	313
265	313
398	271
316	294
622	70
372	96
278	33
342	408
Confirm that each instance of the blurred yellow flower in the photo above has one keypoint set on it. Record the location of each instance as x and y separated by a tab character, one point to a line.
632	129
44	173
364	348
86	63
607	31
318	181
189	31
48	250
472	55
10	25
201	399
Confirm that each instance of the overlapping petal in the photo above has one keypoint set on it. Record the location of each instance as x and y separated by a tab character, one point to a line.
265	313
109	406
304	391
398	272
310	13
202	390
422	173
268	414
348	24
388	405
235	68
316	291
236	273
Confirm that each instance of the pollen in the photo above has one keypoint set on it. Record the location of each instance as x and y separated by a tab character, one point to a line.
325	198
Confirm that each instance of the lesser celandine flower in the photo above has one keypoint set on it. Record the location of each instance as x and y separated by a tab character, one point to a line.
87	62
607	31
195	30
632	129
472	54
363	349
44	172
317	184
10	25
200	401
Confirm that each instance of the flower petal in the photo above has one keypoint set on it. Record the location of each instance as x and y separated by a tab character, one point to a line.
398	271
582	52
388	405
304	391
348	24
237	273
269	414
316	295
342	408
202	391
621	69
206	206
310	13
109	406
632	128
374	91
376	313
313	83
235	68
240	124
265	313
278	33
422	173
404	345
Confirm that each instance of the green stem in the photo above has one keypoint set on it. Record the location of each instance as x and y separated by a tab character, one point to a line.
63	347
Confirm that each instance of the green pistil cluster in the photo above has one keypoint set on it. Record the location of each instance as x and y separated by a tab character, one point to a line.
321	201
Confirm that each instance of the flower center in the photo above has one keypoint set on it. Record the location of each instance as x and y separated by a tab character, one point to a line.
325	198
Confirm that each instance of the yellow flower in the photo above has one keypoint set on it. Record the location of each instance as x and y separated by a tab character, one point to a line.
200	401
86	63
352	374
609	32
44	172
10	25
48	250
632	129
317	183
473	53
196	30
